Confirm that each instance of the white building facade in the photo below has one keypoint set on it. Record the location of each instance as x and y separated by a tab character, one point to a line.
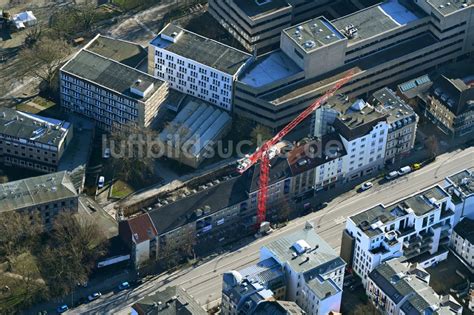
462	241
417	227
196	65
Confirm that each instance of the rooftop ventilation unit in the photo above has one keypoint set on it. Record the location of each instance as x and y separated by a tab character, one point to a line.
309	44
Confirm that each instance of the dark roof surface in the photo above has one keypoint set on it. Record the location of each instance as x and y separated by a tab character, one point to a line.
218	197
301	159
170	301
254	10
124	52
109	73
32	127
203	50
465	229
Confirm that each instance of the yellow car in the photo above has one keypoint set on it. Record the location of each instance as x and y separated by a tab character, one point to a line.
416	166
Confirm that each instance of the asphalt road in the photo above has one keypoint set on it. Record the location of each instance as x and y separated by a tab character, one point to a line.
204	282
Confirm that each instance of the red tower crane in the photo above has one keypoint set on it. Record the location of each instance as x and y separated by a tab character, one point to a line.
262	154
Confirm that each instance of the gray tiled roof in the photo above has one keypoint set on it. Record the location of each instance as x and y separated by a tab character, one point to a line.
203	50
128	53
170	301
108	73
36	191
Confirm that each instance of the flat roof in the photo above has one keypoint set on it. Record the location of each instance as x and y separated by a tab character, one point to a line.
420	204
258	8
394	107
109	73
36	128
269	69
322	257
125	52
377	19
201	49
314	33
464	181
307	86
444	8
34	191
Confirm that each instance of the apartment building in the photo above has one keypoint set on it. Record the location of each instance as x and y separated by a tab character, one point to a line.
139	235
417	228
31	141
244	290
402	121
397	288
103	82
48	195
450	101
378	46
170	301
196	65
363	132
462	241
189	216
257	24
461	188
300	267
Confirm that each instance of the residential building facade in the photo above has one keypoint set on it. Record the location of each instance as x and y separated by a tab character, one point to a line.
47	195
461	188
377	46
304	269
31	141
450	101
106	86
417	227
402	121
395	287
462	241
196	65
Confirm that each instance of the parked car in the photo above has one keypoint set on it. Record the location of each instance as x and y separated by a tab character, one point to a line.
101	182
404	170
106	154
94	296
416	166
391	175
62	308
124	286
366	186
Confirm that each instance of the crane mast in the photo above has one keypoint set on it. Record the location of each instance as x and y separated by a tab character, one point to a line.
262	154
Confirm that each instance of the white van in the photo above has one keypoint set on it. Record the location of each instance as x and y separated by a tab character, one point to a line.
404	170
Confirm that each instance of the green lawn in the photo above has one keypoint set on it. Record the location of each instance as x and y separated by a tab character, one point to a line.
121	189
36	105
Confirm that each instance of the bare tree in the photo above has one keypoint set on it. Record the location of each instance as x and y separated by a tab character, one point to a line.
19	232
33	35
133	148
44	58
77	243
